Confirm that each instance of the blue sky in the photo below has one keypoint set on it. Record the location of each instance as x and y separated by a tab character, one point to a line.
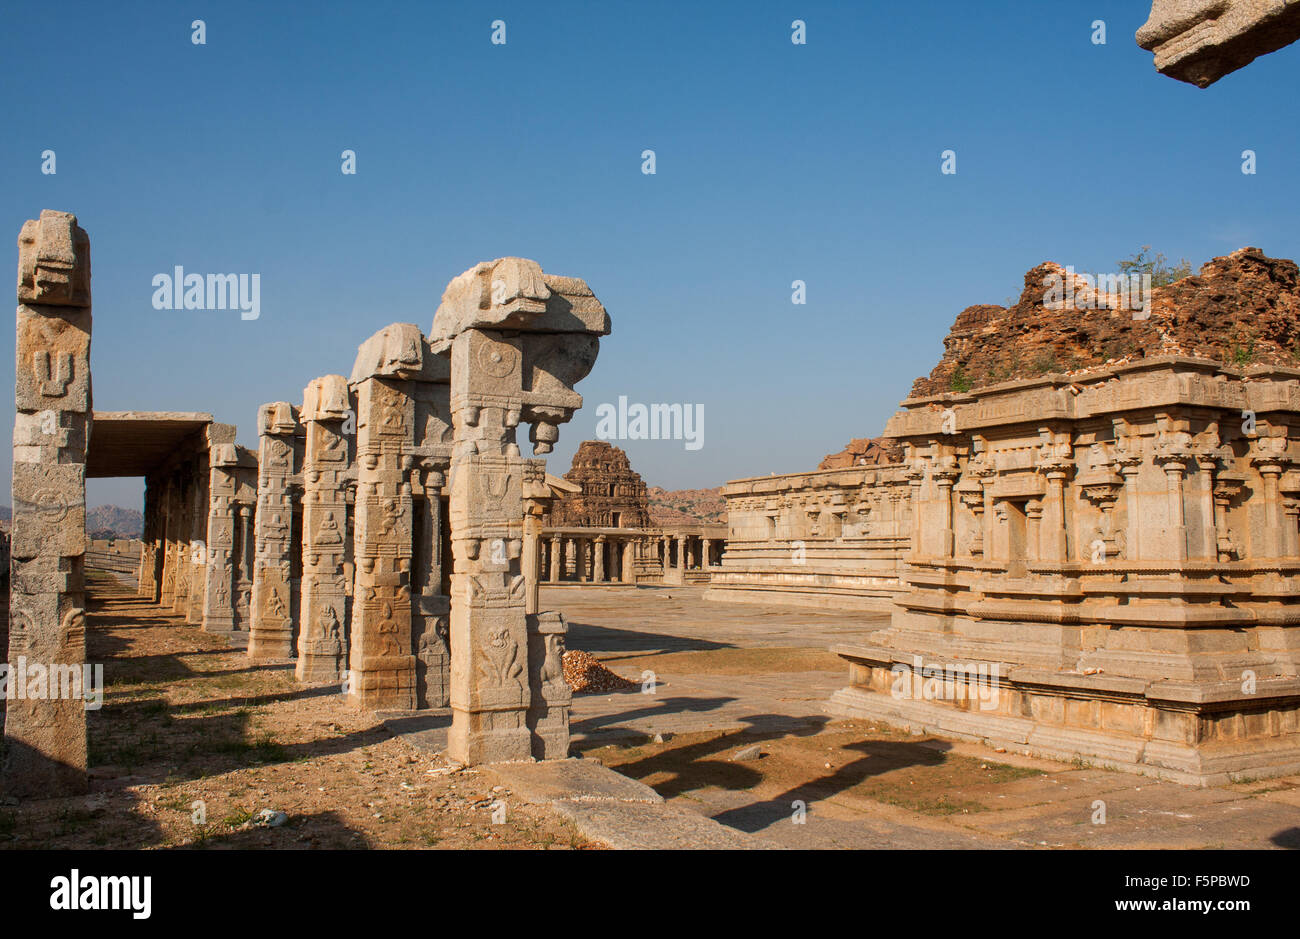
775	162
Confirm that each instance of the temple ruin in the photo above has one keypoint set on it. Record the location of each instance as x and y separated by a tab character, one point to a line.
333	544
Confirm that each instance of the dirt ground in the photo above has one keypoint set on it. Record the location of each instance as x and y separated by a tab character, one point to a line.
192	742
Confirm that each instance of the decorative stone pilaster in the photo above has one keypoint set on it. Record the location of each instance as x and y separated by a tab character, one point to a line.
279	460
45	737
328	465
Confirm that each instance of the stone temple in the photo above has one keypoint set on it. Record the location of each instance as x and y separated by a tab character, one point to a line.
1083	524
1091	551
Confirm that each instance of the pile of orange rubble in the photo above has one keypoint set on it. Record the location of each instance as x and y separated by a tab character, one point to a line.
586	675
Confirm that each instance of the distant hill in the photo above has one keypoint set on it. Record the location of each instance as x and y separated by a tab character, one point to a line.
105	521
686	506
123	523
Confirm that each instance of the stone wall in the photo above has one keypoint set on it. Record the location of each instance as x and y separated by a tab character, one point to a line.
832	538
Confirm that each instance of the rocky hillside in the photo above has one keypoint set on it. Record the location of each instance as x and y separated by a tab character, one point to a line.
686	506
1242	309
123	523
864	451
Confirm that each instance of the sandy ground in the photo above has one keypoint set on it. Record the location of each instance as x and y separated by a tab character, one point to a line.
193	741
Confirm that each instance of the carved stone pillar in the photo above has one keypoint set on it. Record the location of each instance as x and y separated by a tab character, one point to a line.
200	555
1130	465
279	457
945	475
1175	466
1268	459
598	566
46	737
397	611
328	463
518	342
553	573
219	592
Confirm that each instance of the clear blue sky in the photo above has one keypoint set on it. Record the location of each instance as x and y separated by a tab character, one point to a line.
775	162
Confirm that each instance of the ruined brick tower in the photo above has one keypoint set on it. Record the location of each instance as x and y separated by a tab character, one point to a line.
613	494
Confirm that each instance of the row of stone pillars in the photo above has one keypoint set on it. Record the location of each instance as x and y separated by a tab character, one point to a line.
420	442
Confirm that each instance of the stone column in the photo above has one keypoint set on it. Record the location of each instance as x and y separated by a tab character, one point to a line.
1130	466
598	564
279	456
945	476
327	464
553	574
244	570
667	554
1268	460
1175	466
681	552
518	342
45	739
381	660
184	558
1207	463
1033	529
628	573
200	513
167	523
219	572
1053	546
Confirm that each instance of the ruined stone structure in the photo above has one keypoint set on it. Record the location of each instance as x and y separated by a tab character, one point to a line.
832	538
1121	550
1200	41
611	494
333	540
46	736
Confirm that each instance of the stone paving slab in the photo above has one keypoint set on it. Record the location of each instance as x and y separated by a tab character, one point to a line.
570	780
644	826
609	807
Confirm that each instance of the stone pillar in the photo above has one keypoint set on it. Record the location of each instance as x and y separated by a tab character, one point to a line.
184	558
244	569
553	574
326	466
200	514
666	552
1053	546
1175	466
219	590
1268	460
1033	529
381	656
945	476
1129	467
598	565
681	552
518	342
45	739
279	455
171	544
628	573
1206	463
